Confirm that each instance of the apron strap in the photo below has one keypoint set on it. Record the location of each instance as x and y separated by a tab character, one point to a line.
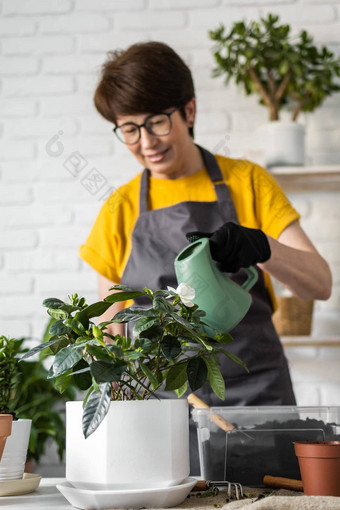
143	192
225	203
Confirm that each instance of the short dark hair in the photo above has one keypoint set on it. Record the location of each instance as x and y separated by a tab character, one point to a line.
148	77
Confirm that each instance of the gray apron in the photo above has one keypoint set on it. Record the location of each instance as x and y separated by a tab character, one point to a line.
158	237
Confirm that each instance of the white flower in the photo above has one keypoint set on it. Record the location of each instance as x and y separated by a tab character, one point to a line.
185	292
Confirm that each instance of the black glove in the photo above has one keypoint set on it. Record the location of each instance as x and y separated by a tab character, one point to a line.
234	247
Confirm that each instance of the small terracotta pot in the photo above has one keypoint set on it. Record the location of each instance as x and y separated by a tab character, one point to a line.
5	430
319	463
29	466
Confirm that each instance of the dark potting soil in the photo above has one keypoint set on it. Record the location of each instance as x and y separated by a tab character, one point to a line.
246	455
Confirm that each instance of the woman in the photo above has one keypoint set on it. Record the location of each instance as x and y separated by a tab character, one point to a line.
185	192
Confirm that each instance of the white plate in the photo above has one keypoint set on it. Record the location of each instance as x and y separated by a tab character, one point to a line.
132	498
24	485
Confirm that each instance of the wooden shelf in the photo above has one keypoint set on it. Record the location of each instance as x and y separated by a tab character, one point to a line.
308	178
309	341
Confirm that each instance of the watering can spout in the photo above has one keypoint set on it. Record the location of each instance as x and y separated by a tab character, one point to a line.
224	301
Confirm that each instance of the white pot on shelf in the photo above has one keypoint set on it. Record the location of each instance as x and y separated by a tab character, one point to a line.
282	143
12	464
139	444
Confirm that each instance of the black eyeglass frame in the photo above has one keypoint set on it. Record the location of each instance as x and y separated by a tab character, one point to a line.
144	125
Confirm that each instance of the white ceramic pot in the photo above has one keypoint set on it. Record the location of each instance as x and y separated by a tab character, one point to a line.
12	465
139	444
283	143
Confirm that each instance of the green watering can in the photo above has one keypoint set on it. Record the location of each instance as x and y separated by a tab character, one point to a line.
224	301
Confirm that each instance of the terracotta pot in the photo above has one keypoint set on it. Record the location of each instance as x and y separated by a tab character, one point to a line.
5	430
319	463
29	466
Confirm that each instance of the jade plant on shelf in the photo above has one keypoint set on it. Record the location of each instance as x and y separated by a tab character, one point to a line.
170	349
285	70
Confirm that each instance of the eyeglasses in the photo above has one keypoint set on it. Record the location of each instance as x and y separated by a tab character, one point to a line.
157	125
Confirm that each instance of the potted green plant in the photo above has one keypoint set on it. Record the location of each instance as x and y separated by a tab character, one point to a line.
143	441
13	458
6	371
286	71
36	398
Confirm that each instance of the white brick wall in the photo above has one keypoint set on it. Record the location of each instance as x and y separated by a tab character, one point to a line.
50	56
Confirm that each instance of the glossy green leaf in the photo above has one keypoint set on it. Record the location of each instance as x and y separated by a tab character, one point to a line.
62	382
64	360
39	348
133	314
115	349
97	333
57	314
96	409
170	347
224	338
123	296
198	314
57	346
147	372
83	339
83	318
53	303
161	304
58	328
96	309
197	373
154	333
145	344
186	324
176	377
132	355
99	352
215	378
144	324
105	371
122	287
180	391
75	325
81	375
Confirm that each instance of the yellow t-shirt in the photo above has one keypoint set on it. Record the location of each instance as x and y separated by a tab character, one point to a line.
257	197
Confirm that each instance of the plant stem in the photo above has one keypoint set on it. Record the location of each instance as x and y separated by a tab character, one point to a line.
283	85
298	108
273	113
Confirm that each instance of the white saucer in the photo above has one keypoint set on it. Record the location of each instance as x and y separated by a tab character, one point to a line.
24	485
133	498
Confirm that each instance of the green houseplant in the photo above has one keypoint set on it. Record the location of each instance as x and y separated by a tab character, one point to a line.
9	350
170	348
8	367
36	398
286	71
264	58
14	456
170	351
26	393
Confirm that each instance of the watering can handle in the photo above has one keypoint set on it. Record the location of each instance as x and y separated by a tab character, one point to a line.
252	278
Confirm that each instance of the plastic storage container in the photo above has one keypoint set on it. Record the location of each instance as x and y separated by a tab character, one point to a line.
261	442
